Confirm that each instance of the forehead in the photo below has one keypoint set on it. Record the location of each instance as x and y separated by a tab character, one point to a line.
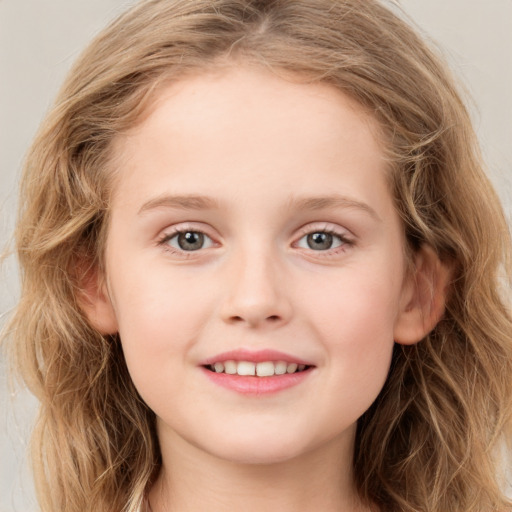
211	131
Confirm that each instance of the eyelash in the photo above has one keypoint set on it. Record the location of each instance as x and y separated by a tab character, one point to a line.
167	237
345	241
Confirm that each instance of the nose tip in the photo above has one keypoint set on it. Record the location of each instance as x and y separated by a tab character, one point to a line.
257	296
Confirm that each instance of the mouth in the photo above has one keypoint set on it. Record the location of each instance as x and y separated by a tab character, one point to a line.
259	373
256	369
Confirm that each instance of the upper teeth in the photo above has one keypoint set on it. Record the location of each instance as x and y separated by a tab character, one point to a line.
263	369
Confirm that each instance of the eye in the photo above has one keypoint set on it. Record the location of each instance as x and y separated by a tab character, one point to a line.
321	241
188	241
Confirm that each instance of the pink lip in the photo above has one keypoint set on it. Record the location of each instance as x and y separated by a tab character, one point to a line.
254	357
251	385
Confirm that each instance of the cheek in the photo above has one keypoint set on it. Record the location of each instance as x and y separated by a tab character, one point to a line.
157	318
354	317
356	305
158	325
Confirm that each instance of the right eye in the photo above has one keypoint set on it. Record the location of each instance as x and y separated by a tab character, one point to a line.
187	240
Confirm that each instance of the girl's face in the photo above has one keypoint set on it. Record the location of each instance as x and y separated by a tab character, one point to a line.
253	223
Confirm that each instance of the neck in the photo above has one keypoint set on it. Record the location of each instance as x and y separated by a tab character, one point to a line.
192	480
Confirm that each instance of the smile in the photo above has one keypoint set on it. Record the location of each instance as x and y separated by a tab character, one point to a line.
260	369
257	373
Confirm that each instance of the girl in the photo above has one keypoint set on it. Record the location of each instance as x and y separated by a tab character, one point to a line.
261	266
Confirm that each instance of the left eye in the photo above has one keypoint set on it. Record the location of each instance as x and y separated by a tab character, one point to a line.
189	241
320	241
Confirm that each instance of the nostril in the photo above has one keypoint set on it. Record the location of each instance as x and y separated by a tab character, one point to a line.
236	319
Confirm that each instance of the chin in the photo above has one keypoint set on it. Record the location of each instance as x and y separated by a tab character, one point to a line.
257	457
259	449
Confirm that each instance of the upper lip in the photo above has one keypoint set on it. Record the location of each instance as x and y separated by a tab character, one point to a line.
258	356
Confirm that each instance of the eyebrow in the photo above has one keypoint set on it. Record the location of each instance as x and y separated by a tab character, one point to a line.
332	201
199	202
186	202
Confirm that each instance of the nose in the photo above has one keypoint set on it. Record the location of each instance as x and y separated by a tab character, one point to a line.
257	293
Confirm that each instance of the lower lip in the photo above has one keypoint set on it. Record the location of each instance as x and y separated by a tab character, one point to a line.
252	385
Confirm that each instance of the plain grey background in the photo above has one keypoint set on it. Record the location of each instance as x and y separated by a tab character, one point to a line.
39	39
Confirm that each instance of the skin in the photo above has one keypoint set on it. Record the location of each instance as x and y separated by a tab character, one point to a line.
262	151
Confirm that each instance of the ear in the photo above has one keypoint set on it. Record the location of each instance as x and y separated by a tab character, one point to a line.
423	297
94	300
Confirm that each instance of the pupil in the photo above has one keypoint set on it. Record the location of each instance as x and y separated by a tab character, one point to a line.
319	241
190	241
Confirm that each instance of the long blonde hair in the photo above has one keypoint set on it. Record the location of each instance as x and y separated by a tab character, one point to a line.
429	442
